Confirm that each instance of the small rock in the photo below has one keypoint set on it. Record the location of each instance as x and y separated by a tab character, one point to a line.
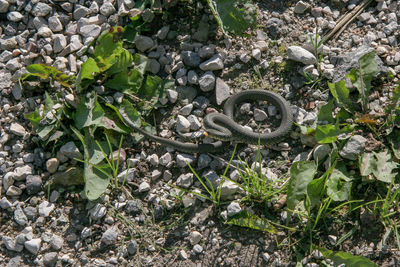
55	24
301	7
97	212
13	191
14	16
143	43
332	239
59	42
90	30
229	189
5	204
134	206
203	161
300	54
50	259
256	54
163	32
353	148
207	81
132	247
20	217
195	237
183	255
182	160
222	91
110	236
233	209
52	165
266	257
33	245
197	249
182	125
17	129
165	159
214	63
144	187
33	184
41	10
70	150
45	208
4	5
260	115
107	9
185	180
192	77
190	58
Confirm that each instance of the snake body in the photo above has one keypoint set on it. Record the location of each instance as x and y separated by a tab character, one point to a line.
224	128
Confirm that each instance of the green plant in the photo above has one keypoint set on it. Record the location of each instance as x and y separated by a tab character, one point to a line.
114	68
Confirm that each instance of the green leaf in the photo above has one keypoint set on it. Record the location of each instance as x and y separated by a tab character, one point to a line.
133	114
55	136
142	63
48	104
367	164
96	182
384	167
341	94
326	134
45	72
315	190
394	140
126	82
112	122
123	62
301	174
346	258
86	75
89	112
34	118
339	184
133	29
234	16
245	219
44	131
106	46
325	112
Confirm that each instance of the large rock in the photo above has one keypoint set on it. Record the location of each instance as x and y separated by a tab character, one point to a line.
300	54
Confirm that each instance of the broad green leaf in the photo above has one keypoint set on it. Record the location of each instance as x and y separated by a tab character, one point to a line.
95	154
341	94
325	112
142	63
124	61
384	167
339	184
301	174
86	75
89	112
346	258
106	46
48	104
326	134
55	136
34	118
315	190
126	82
367	164
245	219
133	114
234	16
43	71
111	122
133	29
96	182
44	131
39	70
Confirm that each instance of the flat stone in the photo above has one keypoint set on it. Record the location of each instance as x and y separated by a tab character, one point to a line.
80	12
55	24
222	91
214	63
45	208
17	129
233	209
185	180
41	10
300	54
90	31
301	7
59	42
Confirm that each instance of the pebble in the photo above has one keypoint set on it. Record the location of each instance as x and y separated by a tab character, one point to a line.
183	255
182	125
144	187
300	54
33	245
90	31
185	180
107	9
143	43
353	148
182	160
33	184
110	236
14	16
214	63
97	212
17	129
50	259
301	7
192	77
52	165
197	249
45	208
191	59
207	81
260	115
132	247
233	209
56	242
59	42
195	237
55	24
229	189
41	10
70	151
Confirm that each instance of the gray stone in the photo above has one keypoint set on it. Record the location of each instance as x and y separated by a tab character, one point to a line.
214	63
13	191
5	56
185	111
5	204
8	43
13	64
12	245
275	27
172	95
41	10
233	209
50	259
154	66
203	161
147	15
69	150
182	125
165	159
4	6
182	160
20	217
127	175
191	59
207	51
55	24
261	45
194	122
8	180
143	43
144	187
56	242
80	12
14	16
301	7
266	257
45	208
213	177
185	180
107	9
59	43
256	54
132	247
17	91
197	249
17	129
75	43
134	206
222	91
260	115
353	148
90	31
31	213
300	54
229	189
20	173
97	212
207	81
33	184
192	77
33	245
110	236
321	151
194	237
163	32
52	165
186	93
344	63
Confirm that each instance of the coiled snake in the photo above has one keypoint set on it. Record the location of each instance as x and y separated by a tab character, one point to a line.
224	128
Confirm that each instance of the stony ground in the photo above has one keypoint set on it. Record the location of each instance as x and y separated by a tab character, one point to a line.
146	222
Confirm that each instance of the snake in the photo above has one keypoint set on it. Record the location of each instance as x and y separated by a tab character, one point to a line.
223	128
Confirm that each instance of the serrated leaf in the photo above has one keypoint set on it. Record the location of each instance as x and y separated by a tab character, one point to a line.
301	174
384	167
245	219
89	112
234	16
341	94
126	82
